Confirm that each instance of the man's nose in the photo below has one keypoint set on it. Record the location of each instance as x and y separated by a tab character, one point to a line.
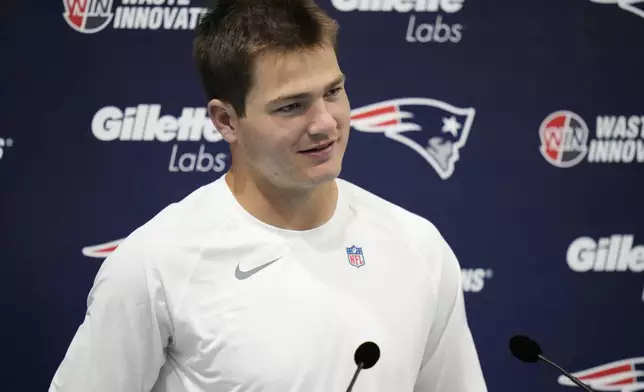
322	121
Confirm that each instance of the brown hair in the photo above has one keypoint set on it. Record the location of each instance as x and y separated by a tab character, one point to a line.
233	33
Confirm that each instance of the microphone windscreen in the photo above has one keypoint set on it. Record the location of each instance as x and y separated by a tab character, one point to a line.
525	348
368	354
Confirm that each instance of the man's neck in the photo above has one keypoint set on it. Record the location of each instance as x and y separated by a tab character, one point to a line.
284	208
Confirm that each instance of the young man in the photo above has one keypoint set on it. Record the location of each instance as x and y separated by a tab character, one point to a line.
270	277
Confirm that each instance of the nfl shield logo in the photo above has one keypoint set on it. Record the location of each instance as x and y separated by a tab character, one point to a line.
356	258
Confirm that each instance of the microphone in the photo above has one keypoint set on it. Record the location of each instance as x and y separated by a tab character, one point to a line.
527	350
367	354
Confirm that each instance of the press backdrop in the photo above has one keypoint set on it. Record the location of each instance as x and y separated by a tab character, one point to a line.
515	126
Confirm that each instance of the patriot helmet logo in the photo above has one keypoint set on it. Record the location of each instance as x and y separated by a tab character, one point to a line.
355	255
626	375
627	5
564	137
443	132
88	16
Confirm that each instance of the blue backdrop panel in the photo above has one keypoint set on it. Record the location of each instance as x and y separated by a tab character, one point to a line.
516	127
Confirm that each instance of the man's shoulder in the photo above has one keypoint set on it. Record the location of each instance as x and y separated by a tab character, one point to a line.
398	227
384	213
180	224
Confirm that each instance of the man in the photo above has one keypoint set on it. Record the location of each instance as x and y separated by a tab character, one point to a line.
270	277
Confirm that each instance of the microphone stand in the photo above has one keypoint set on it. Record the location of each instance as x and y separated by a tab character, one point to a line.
355	376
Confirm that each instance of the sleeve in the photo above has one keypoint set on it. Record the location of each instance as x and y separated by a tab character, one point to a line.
120	345
450	361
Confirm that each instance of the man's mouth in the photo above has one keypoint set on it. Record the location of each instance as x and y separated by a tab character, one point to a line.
319	148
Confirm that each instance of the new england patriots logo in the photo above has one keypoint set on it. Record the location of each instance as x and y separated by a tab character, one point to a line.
626	375
437	132
626	5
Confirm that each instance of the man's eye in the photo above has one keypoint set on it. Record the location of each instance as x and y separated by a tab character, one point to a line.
335	91
289	108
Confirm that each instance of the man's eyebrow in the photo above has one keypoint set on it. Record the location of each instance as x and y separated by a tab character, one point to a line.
333	83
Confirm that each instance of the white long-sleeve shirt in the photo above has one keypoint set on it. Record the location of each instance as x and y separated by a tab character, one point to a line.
175	308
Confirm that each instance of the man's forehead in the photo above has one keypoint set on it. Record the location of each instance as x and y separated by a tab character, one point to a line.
282	73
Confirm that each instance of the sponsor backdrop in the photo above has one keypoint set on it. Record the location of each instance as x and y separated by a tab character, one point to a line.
516	127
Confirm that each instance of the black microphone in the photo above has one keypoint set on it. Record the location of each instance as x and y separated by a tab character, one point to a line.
527	350
366	356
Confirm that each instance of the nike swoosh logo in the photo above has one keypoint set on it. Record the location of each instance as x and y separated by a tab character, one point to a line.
241	275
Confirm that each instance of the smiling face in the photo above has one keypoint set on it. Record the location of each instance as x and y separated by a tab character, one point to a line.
296	127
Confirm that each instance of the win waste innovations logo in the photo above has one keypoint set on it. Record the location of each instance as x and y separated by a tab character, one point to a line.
93	16
566	140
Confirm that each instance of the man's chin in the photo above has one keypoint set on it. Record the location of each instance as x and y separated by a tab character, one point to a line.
320	180
318	176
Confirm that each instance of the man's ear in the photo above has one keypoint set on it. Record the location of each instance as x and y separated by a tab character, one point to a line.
224	118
